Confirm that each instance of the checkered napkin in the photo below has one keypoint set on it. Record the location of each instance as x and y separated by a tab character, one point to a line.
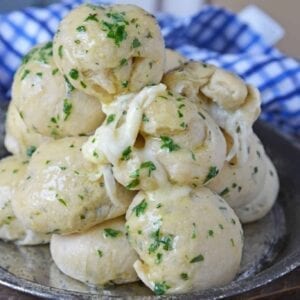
213	35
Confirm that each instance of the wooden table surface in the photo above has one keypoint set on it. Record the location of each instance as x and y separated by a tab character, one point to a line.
286	287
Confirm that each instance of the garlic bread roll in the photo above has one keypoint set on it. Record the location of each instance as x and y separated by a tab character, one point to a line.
154	137
233	104
186	239
108	50
19	140
100	255
47	103
12	171
241	184
62	193
264	201
173	60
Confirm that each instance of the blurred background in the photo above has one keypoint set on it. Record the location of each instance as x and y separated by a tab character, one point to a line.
278	21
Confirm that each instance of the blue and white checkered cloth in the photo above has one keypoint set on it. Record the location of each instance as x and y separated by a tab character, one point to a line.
213	35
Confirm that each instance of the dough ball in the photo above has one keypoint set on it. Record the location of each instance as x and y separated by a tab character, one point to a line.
187	240
47	103
101	255
233	105
108	50
162	137
173	60
241	184
226	89
19	140
62	193
12	171
264	201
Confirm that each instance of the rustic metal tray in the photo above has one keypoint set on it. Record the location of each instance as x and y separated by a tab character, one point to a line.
272	245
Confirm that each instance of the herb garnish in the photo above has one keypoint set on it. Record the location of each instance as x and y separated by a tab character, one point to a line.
140	208
213	172
168	143
110	232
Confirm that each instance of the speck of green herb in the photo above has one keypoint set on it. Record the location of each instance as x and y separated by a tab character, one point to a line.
233	221
224	192
126	154
82	217
210	233
158	258
221	226
145	118
69	85
80	197
148	165
110	119
133	183
63	168
62	201
60	51
95	154
116	29
140	208
149	35
123	62
30	150
238	129
67	109
113	233
124	84
201	115
54	71
47	162
168	144
184	276
136	43
83	84
197	258
100	253
194	231
213	172
74	74
91	17
255	170
25	73
81	28
40	74
234	185
239	188
232	242
159	205
15	171
139	231
160	288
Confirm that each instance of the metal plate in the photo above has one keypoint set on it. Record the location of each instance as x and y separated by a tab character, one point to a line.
271	244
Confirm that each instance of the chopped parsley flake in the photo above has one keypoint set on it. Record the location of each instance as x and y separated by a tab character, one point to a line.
74	74
224	192
213	172
133	183
123	62
116	29
136	43
60	51
210	233
113	233
194	231
148	165
110	119
62	201
54	71
255	170
100	253
158	258
145	118
83	84
92	17
124	84
165	240
232	242
233	221
201	115
81	28
168	143
221	226
30	150
184	276
198	258
140	208
126	153
160	288
25	73
67	109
